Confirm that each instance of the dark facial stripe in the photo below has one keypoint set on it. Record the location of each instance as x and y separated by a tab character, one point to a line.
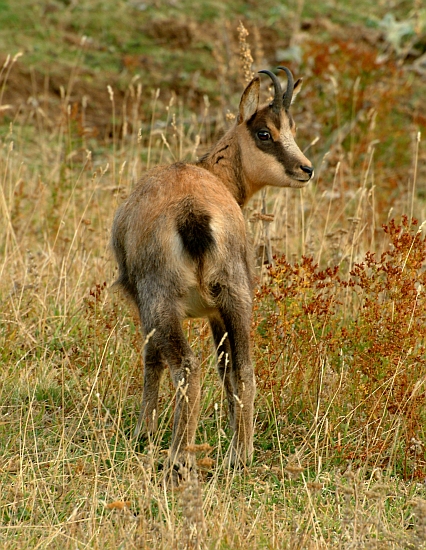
267	119
264	118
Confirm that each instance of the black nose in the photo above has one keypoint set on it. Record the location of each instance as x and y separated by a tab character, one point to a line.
308	169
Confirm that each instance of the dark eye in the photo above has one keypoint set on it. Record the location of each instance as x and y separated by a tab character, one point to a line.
263	135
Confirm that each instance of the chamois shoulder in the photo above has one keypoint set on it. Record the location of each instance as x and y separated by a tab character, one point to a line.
176	179
161	190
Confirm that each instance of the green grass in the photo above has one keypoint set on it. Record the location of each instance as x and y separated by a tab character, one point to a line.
338	347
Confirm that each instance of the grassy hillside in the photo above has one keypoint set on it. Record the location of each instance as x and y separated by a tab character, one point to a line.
93	93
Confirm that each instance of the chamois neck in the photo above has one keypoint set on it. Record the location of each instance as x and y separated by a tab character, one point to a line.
224	161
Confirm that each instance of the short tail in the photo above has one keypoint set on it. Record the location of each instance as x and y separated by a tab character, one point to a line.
194	227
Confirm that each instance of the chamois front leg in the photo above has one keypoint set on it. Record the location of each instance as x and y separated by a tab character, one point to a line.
236	315
154	366
224	367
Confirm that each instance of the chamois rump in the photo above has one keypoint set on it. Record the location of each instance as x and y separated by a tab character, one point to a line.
181	244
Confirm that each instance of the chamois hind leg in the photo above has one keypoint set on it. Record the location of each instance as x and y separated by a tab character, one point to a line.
154	365
185	372
224	358
235	311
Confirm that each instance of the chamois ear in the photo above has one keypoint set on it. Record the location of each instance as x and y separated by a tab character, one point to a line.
297	88
249	100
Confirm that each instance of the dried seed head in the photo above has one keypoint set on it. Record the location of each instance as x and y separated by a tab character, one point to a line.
118	505
315	486
205	463
200	448
245	53
293	470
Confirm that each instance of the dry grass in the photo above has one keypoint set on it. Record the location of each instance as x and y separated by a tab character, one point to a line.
340	437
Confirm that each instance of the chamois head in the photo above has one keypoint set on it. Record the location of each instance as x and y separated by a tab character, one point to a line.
270	155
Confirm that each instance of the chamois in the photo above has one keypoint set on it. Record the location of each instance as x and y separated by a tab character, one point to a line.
181	244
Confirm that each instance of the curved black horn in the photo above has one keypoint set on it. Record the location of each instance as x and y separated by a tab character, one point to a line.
288	94
277	101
